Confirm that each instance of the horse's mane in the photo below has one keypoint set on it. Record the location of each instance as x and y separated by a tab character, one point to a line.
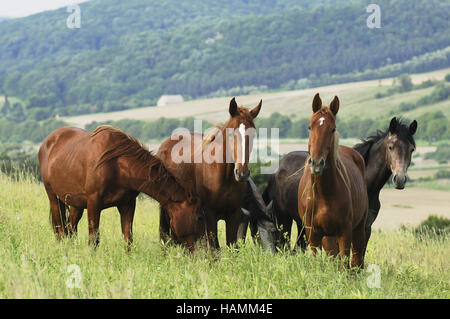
342	170
401	130
124	145
209	138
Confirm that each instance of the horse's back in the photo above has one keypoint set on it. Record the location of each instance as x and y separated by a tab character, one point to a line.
56	142
284	182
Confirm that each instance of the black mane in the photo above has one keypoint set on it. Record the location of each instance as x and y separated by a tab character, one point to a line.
401	130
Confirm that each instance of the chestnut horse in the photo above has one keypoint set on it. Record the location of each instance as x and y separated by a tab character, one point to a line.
332	195
109	168
215	170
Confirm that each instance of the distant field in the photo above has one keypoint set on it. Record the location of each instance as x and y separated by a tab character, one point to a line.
357	99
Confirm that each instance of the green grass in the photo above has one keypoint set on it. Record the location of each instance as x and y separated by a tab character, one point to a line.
402	206
33	264
442	185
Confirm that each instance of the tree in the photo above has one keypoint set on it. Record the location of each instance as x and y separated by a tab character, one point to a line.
6	107
405	82
16	113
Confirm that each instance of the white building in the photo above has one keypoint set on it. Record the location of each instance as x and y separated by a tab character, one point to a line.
170	99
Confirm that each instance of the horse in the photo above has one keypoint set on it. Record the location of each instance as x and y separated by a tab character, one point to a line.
332	195
262	226
387	154
216	170
107	168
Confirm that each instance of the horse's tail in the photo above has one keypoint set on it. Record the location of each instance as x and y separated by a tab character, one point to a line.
62	208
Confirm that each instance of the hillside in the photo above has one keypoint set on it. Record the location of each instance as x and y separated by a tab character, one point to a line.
127	54
356	98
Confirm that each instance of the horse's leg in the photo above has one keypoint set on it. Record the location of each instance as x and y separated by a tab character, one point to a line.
75	215
314	239
301	241
345	243
126	219
94	209
371	216
242	229
358	245
164	226
330	245
55	213
232	224
285	222
211	226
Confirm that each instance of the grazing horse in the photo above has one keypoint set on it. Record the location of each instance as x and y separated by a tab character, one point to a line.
332	196
215	168
109	168
262	227
387	153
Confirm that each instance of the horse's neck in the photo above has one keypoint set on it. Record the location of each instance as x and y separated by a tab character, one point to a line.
377	170
225	167
326	184
156	182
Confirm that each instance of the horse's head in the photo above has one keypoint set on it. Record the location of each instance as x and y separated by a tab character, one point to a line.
187	221
399	145
240	131
322	128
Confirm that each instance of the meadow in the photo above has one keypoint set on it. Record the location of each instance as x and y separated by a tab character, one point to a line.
297	103
33	264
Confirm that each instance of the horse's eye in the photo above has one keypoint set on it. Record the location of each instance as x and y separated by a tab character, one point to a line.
390	147
412	150
334	130
309	128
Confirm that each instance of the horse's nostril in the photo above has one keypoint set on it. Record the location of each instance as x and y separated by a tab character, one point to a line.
310	161
322	162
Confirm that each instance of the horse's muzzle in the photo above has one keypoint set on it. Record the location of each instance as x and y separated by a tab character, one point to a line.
316	167
399	181
241	176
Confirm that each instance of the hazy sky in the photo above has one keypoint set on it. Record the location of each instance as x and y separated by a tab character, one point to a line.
22	8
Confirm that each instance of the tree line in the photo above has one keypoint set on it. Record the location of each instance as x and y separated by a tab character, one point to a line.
130	54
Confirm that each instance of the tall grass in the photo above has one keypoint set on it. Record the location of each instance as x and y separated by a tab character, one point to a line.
33	264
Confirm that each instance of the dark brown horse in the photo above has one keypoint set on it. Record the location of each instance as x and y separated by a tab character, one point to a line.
215	168
109	168
332	196
387	153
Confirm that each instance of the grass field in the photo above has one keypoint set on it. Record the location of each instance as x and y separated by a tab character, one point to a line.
297	103
34	265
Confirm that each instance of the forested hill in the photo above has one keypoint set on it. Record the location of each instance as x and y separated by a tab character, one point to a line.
128	53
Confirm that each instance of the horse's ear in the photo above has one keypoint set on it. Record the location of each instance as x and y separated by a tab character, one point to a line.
334	105
255	111
413	127
393	125
233	107
317	103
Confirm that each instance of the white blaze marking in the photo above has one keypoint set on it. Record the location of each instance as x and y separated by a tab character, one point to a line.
242	131
321	120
